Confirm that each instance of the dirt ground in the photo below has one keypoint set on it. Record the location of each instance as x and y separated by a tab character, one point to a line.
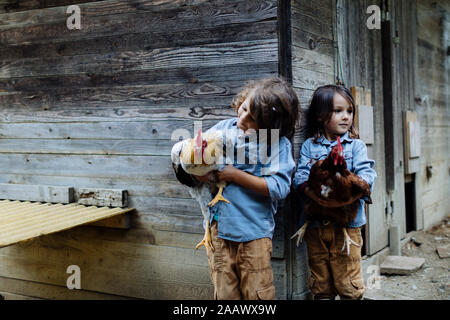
432	281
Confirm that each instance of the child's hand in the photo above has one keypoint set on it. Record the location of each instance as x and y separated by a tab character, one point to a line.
227	174
244	179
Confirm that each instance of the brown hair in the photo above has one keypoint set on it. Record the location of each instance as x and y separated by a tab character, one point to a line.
321	109
273	104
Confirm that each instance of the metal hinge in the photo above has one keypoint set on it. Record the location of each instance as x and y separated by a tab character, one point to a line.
396	39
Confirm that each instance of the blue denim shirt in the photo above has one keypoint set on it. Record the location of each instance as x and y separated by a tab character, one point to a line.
249	215
355	154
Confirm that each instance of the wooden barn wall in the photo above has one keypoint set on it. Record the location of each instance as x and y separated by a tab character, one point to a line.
312	66
433	88
96	107
361	60
418	56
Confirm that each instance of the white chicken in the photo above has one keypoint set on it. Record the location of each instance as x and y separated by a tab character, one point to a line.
199	156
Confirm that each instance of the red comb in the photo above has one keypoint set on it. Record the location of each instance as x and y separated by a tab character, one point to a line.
198	140
340	150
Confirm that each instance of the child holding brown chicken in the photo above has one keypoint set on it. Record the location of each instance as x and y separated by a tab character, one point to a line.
334	270
242	230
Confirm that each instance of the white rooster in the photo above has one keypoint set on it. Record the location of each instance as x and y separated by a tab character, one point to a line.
199	156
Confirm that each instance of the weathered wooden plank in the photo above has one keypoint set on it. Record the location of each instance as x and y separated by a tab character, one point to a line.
309	41
92	147
41	193
149	232
310	60
172	206
151	96
117	131
88	165
411	143
218	112
256	51
104	22
103	259
149	279
143	41
212	74
317	27
320	9
94	9
365	123
52	292
22	5
150	187
51	248
102	197
138	5
308	79
51	11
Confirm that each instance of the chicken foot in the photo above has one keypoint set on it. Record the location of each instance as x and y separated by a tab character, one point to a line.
207	242
348	242
219	196
300	233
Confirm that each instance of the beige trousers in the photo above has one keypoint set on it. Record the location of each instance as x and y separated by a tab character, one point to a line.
241	270
333	272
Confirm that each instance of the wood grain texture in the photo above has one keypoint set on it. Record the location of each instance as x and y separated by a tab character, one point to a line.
431	85
41	193
99	20
22	221
102	197
96	108
312	66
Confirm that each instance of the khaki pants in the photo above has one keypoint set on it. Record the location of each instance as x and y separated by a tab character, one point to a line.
332	270
241	270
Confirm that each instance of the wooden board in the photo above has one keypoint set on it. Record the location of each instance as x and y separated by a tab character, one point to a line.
412	134
20	221
365	123
412	141
52	194
102	197
363	120
95	108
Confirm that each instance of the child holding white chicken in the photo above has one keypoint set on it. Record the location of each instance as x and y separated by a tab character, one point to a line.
242	230
333	271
